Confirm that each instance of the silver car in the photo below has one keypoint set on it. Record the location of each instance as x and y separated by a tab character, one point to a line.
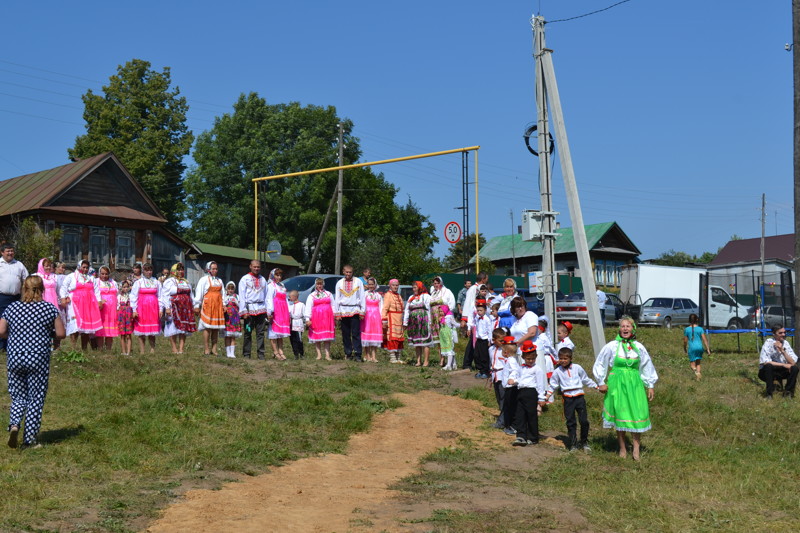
304	284
667	311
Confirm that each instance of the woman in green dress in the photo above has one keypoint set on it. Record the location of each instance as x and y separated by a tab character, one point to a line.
631	378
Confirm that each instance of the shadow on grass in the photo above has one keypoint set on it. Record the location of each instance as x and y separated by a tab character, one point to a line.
55	436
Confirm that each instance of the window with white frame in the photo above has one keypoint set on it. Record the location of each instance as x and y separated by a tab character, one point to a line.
71	245
125	254
99	248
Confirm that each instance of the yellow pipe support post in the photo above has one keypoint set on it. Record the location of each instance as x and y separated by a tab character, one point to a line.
255	205
477	233
369	163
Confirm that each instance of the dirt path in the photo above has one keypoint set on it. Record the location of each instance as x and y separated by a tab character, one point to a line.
321	493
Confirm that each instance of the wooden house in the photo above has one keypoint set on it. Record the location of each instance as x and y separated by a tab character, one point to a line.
104	214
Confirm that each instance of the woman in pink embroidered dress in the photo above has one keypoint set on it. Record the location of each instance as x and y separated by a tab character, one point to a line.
277	313
83	313
105	290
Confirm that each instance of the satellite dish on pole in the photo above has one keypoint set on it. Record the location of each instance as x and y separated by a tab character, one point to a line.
274	250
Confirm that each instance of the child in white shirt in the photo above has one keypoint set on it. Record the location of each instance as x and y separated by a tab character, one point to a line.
570	378
297	311
529	380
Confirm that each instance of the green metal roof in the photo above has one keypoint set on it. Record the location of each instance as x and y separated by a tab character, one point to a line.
499	248
242	253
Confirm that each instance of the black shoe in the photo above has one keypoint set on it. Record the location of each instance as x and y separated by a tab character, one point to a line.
519	441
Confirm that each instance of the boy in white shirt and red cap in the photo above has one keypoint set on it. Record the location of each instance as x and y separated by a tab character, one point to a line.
530	382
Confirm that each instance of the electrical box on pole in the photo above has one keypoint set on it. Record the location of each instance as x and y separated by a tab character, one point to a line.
534	225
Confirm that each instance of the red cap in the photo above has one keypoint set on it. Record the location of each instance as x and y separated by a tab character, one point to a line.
567	324
509	340
480	302
528	346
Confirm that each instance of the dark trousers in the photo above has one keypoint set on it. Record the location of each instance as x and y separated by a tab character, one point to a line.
499	394
469	353
351	336
527	417
571	406
5	301
482	356
296	338
768	373
510	406
259	324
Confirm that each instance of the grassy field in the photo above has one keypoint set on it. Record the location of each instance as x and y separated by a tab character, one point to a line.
123	435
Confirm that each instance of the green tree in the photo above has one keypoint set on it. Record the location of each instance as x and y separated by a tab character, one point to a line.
143	122
30	242
455	254
260	139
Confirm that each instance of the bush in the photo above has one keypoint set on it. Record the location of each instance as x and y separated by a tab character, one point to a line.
30	242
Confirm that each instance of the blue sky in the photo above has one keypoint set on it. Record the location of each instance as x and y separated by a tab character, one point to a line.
679	114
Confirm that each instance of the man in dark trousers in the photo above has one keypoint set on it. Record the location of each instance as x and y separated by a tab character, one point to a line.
467	315
12	274
253	309
348	308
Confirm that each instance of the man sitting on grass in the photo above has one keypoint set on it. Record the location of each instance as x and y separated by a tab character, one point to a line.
778	360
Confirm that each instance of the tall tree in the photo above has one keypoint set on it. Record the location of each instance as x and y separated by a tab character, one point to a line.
465	247
143	122
260	139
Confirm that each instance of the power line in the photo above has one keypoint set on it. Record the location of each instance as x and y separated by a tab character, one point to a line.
587	14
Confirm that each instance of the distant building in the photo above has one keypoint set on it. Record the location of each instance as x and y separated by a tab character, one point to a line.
609	249
741	259
104	214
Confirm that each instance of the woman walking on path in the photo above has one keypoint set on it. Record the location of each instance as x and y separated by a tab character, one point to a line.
319	319
695	343
83	312
372	327
417	321
29	325
147	308
631	378
176	299
105	290
208	305
392	317
277	313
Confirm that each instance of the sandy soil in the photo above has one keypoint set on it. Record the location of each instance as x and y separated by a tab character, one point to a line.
350	492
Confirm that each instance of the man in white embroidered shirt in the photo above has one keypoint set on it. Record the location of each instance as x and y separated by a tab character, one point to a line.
348	308
12	274
253	309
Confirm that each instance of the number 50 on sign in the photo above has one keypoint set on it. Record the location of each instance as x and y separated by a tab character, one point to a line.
452	232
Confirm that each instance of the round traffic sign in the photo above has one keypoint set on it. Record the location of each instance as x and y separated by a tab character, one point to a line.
452	232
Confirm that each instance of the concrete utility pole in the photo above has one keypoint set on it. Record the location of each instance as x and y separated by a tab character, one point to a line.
513	251
549	275
796	66
763	234
338	268
550	90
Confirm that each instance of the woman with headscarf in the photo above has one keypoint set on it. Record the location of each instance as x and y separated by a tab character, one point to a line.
105	290
371	326
631	378
83	312
392	318
176	299
319	319
277	313
147	308
45	271
440	295
208	305
417	321
509	293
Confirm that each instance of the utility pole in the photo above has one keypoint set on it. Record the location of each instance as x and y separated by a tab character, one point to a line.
545	177
796	67
544	61
513	251
763	233
339	187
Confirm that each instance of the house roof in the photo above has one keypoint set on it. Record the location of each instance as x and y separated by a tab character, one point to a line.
779	247
508	246
242	253
43	189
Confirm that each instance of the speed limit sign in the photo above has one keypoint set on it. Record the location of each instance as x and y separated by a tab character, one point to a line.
452	232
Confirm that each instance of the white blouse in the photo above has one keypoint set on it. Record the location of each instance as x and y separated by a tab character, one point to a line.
203	286
146	283
605	362
425	299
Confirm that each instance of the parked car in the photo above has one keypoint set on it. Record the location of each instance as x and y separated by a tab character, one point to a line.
573	308
304	284
667	311
773	315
